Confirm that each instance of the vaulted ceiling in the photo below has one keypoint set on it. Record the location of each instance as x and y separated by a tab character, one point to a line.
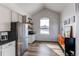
32	8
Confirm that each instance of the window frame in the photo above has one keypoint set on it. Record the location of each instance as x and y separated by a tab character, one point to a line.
43	27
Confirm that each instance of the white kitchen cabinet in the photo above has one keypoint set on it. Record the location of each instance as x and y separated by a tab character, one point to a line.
5	18
8	49
14	16
20	18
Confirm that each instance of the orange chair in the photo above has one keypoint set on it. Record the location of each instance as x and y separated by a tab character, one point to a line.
61	40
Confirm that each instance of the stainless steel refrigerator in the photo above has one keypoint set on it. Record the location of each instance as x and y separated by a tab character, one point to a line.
20	31
22	38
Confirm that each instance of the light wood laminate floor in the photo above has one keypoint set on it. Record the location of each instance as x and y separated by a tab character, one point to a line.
40	49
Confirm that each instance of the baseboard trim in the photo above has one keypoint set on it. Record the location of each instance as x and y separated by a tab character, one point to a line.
46	41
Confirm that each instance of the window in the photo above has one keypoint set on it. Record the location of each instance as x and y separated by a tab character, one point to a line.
44	26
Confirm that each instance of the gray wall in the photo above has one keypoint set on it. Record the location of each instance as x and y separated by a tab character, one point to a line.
54	25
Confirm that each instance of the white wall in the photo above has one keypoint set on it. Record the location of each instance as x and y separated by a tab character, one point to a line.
54	25
67	13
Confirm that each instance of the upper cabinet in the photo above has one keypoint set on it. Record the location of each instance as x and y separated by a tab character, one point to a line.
23	19
15	16
5	18
20	18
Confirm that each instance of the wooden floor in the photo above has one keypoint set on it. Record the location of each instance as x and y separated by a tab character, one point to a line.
40	49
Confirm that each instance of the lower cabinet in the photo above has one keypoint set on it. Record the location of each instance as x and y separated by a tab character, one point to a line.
8	49
0	50
31	38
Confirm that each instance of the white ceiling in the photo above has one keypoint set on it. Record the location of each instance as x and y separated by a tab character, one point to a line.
58	7
31	8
